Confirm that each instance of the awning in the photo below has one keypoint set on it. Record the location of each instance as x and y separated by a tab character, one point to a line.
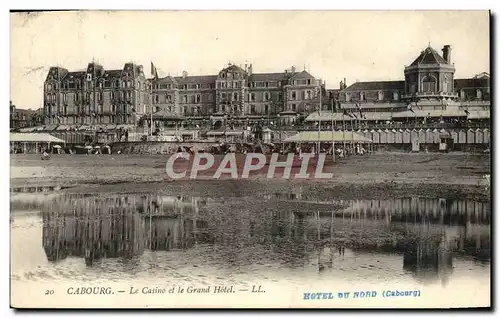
63	127
328	136
417	113
33	137
479	114
328	117
215	133
51	127
288	113
28	129
376	116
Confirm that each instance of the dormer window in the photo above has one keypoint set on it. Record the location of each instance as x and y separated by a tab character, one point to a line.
347	97
479	94
361	96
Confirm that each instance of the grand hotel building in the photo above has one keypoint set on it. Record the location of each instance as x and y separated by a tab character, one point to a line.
122	97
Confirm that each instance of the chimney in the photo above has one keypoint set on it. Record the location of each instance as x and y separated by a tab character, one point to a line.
250	69
293	69
184	74
447	53
246	67
345	83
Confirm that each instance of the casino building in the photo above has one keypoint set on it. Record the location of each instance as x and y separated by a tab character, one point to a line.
429	91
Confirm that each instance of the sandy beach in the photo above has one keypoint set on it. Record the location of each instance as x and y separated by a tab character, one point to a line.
377	175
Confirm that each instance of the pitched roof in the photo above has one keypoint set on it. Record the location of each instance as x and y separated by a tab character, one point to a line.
200	79
302	75
428	56
268	77
166	80
471	83
376	86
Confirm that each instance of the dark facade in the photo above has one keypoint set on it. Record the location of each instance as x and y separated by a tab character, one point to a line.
96	96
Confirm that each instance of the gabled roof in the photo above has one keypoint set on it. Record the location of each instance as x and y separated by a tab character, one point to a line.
201	79
428	56
471	83
302	75
166	80
376	86
267	77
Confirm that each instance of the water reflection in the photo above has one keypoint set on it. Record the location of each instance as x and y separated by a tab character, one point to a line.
427	234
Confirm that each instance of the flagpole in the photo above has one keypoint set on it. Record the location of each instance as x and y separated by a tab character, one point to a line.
333	137
319	123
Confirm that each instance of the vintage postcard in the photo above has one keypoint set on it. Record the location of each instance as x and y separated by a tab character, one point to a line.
250	159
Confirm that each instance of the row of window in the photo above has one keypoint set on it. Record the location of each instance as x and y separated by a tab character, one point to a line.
80	109
101	84
124	95
230	84
427	88
362	96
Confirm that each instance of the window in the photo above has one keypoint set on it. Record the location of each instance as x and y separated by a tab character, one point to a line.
462	94
99	96
380	95
266	96
347	97
198	98
429	84
168	98
267	84
361	96
395	96
76	97
138	85
124	84
252	97
294	95
156	99
252	109
266	109
309	95
65	98
294	107
185	98
112	94
223	95
280	96
107	84
479	94
235	96
309	82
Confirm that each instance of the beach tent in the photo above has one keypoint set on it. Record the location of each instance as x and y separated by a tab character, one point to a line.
328	136
27	137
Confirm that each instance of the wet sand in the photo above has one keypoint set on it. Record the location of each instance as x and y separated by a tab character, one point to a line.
381	175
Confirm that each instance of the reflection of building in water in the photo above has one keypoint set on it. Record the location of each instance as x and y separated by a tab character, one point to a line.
429	258
449	212
96	228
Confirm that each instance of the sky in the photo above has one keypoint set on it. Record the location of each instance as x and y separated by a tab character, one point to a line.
331	45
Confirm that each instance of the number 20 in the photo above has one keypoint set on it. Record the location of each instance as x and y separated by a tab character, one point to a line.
49	292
